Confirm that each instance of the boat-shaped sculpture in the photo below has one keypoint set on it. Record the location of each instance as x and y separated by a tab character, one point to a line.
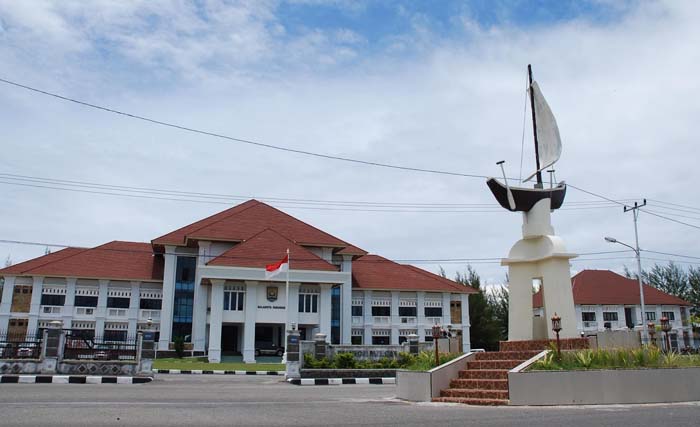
547	153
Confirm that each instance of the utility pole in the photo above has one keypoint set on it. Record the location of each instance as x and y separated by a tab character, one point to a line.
635	214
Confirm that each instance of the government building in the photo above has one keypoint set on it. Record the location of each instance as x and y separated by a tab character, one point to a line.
205	283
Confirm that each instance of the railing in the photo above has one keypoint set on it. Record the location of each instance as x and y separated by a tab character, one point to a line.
20	345
152	314
117	312
85	311
408	320
433	321
83	347
590	324
381	320
357	320
51	309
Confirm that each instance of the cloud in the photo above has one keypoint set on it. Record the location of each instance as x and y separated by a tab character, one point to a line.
623	92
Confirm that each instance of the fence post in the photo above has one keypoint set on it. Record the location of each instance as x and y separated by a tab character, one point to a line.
44	343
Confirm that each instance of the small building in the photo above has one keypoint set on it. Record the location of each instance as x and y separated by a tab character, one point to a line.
205	282
606	300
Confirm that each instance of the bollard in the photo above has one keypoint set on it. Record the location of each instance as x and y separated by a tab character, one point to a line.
293	365
413	344
320	346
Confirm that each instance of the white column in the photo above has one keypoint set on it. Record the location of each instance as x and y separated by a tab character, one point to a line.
101	309
69	304
466	324
35	304
294	303
420	312
166	313
199	310
217	313
395	321
134	308
346	303
446	312
251	309
599	317
324	314
367	314
8	289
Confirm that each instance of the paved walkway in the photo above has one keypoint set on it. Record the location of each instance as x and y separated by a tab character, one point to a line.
267	401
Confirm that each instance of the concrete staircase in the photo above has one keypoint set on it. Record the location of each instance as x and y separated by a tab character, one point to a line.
485	381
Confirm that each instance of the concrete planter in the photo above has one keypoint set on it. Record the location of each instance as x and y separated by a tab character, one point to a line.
614	386
422	386
348	373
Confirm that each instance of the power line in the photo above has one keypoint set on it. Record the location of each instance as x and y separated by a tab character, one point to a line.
239	140
670	219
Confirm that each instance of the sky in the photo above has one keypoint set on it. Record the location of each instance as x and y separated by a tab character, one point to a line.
433	85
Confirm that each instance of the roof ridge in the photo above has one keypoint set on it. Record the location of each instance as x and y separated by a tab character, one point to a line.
79	251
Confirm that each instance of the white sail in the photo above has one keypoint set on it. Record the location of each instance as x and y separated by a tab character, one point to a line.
548	139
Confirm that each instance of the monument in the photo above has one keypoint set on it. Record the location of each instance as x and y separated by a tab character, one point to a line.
540	255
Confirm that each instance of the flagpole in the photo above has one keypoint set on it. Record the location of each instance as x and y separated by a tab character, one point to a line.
286	310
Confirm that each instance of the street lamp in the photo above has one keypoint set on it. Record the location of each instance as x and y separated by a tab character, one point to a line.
556	327
436	336
666	327
651	329
639	272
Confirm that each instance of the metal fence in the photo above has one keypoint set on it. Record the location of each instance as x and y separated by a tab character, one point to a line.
79	346
25	345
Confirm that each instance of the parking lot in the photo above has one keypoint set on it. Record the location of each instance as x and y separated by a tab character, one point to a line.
185	400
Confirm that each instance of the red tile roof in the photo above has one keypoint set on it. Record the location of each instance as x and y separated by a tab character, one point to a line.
115	260
268	247
248	219
375	272
593	287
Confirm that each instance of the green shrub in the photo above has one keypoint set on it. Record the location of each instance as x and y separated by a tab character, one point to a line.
345	361
179	345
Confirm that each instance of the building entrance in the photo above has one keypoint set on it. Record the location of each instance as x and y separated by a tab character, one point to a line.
269	339
229	339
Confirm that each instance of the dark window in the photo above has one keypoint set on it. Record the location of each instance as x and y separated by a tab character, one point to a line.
184	297
588	316
381	311
670	314
115	335
433	311
85	301
428	338
114	302
357	310
610	316
380	340
651	315
53	299
86	334
356	340
308	303
402	339
407	311
150	304
335	315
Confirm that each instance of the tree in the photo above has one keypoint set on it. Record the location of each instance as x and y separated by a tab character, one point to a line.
670	279
8	261
484	330
693	296
498	300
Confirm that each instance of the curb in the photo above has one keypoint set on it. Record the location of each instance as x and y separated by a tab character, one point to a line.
203	372
71	379
339	381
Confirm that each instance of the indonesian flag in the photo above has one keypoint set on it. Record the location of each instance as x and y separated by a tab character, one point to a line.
272	270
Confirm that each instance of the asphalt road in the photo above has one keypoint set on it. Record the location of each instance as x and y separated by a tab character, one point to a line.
180	400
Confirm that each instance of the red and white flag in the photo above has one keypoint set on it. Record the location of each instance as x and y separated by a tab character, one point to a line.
272	270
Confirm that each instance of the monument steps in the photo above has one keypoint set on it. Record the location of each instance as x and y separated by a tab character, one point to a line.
484	374
469	401
479	384
494	364
475	393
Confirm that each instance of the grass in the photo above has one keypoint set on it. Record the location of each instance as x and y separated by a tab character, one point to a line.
201	363
646	357
423	361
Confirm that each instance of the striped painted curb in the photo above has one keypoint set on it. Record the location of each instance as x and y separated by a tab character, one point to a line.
204	372
339	381
71	379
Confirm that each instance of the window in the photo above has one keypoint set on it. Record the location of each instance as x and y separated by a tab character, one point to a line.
610	316
356	340
184	297
381	311
380	340
53	299
233	300
588	316
85	301
670	314
335	314
308	303
651	315
115	302
407	311
433	311
115	335
357	310
150	304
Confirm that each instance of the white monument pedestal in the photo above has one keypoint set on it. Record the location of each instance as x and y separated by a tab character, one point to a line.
539	255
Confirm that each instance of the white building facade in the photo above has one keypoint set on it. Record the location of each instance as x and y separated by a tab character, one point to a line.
205	283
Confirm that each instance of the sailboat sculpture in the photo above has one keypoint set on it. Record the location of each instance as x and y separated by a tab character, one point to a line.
547	152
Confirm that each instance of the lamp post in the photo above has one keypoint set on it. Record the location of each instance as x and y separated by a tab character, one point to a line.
651	329
666	327
436	337
639	268
556	327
